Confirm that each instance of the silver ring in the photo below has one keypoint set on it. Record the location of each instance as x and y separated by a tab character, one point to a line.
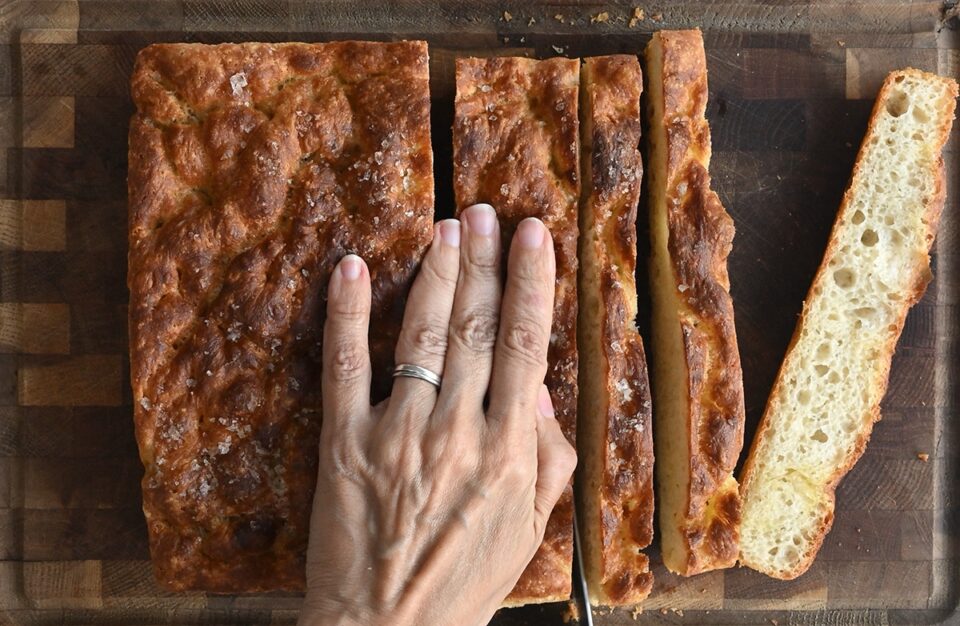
407	370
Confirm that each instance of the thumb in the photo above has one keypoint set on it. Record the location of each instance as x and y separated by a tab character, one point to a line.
556	460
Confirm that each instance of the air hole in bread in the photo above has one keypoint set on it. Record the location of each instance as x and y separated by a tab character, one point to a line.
858	217
833	377
898	103
865	312
823	351
819	436
845	278
803	397
869	238
821	370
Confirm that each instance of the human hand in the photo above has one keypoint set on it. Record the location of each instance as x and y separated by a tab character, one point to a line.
429	505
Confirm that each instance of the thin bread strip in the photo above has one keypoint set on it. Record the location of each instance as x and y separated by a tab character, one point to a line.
697	381
615	481
252	169
515	146
876	266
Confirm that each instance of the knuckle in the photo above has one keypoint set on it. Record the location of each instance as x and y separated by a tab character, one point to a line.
511	471
348	361
342	457
428	338
478	330
525	340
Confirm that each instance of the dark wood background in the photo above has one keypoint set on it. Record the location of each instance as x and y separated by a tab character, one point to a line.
791	86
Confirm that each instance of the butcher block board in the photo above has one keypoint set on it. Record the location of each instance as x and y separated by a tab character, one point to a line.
791	86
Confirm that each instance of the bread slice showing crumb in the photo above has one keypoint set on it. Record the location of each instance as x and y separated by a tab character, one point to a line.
615	480
876	266
697	382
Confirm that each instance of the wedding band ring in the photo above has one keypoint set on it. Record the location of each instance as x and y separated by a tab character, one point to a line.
407	370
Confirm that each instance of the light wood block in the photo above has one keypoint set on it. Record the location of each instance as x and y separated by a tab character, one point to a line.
90	380
33	225
35	328
868	67
48	122
63	584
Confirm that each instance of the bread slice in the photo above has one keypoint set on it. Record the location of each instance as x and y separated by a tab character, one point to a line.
697	382
876	266
615	481
516	146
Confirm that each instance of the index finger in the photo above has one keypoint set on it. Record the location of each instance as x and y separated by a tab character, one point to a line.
526	316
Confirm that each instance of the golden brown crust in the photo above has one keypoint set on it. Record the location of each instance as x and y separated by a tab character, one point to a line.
252	169
922	278
621	513
700	238
515	146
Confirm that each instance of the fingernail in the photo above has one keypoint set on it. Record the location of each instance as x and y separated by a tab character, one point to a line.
350	267
450	233
544	403
530	233
481	218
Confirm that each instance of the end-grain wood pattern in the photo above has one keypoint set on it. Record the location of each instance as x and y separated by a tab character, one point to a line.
791	89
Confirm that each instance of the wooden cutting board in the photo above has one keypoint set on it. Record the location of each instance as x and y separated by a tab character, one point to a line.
791	86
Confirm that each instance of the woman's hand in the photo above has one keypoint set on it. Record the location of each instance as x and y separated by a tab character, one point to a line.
429	505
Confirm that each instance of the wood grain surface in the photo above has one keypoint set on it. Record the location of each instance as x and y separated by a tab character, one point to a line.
791	86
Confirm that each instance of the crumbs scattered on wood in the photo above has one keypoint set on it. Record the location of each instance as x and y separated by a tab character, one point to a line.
507	16
636	18
841	43
600	18
657	17
531	22
923	456
637	612
775	622
557	49
559	17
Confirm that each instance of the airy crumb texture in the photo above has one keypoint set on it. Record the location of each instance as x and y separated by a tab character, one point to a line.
615	480
516	146
253	169
876	266
697	381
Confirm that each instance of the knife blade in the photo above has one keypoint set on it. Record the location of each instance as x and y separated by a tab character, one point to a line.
580	591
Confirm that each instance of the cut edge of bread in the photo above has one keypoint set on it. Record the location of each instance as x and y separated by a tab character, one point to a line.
827	394
697	380
614	408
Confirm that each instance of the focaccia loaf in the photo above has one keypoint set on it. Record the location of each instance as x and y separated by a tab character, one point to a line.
697	381
876	266
515	146
615	470
252	169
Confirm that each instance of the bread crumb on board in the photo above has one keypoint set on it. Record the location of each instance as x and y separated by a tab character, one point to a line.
507	16
571	613
600	18
923	456
636	18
